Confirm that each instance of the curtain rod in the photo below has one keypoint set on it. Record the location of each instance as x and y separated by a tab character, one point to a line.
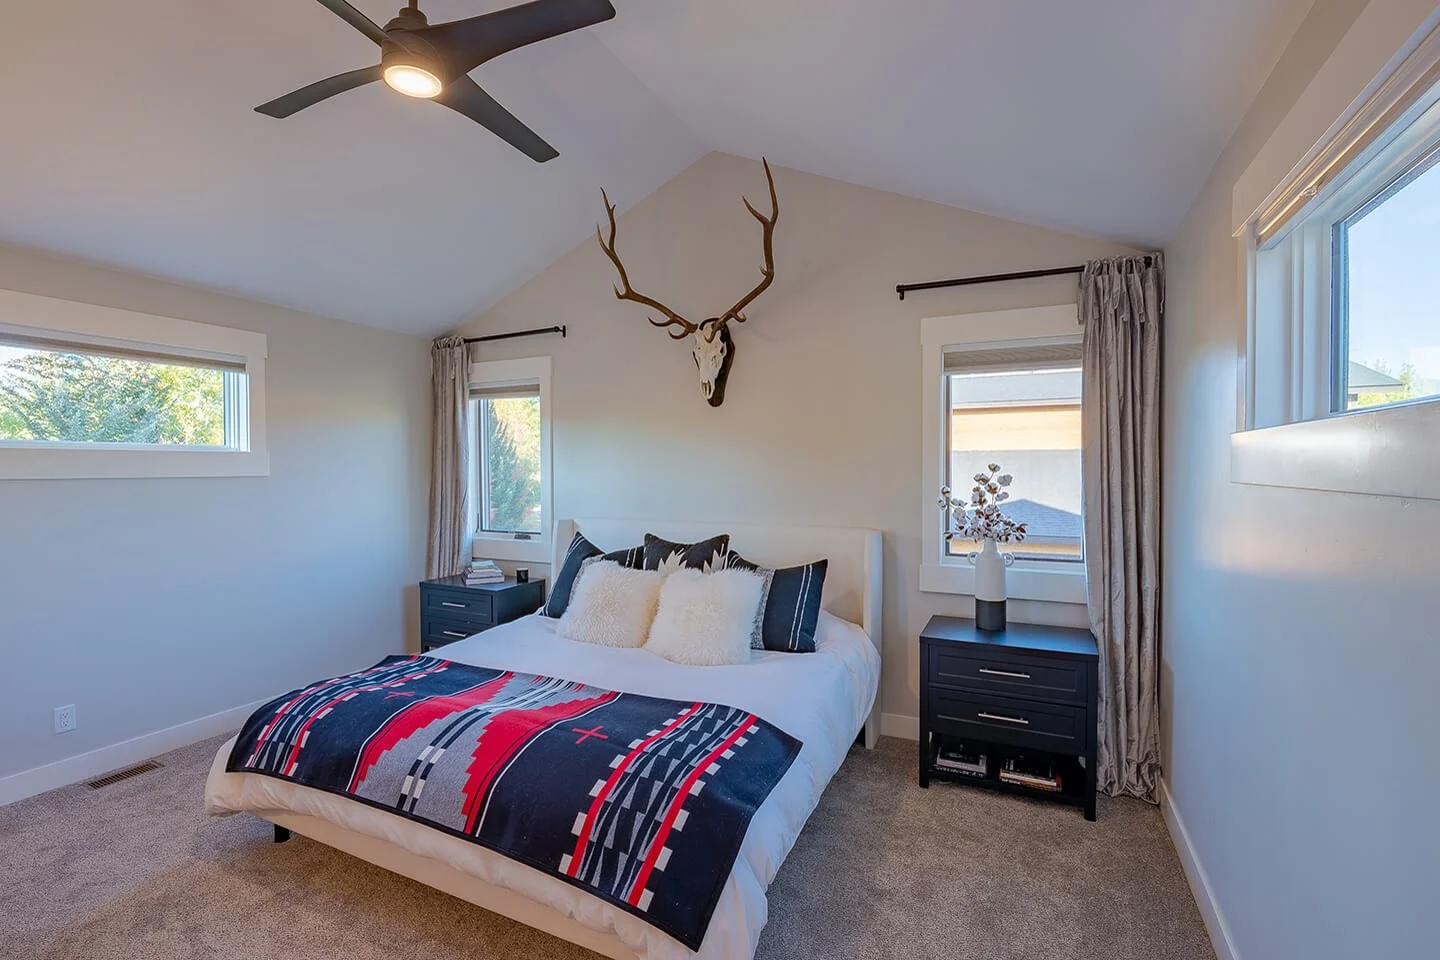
904	288
538	331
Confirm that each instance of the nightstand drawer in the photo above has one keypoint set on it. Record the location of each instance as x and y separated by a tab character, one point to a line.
434	633
470	606
1049	726
1023	676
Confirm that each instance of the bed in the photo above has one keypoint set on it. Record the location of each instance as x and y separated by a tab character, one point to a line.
826	700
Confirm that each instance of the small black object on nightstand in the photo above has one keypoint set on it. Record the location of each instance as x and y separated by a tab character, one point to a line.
450	610
1023	698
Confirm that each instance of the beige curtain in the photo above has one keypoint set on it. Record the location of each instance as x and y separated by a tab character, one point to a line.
449	467
1122	306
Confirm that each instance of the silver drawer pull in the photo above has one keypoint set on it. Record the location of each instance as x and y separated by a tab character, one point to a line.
1005	673
447	603
462	636
999	716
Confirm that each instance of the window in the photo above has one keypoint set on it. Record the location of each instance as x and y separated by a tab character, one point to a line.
53	393
507	424
1340	379
1028	421
1346	292
1004	388
510	458
1387	293
91	392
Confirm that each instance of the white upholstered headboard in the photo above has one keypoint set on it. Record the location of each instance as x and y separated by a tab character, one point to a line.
852	579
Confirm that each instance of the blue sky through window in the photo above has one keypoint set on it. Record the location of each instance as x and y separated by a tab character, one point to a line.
1394	283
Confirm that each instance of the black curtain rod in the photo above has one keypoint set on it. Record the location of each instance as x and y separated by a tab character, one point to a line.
518	333
904	288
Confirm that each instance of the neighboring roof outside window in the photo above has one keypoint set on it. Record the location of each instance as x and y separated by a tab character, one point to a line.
1043	522
1363	379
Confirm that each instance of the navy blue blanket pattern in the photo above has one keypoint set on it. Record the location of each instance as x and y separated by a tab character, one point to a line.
640	801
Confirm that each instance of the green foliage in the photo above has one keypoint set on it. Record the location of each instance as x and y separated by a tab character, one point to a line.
512	467
46	395
1409	380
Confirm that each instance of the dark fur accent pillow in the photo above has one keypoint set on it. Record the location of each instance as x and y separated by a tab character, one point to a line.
706	555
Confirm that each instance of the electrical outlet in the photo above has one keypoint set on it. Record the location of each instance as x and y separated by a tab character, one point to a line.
65	718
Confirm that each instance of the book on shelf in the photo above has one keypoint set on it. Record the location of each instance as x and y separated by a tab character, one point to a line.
955	757
1037	774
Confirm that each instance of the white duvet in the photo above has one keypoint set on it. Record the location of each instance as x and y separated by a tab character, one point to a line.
822	699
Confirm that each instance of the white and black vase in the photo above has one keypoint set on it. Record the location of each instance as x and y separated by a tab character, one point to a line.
990	566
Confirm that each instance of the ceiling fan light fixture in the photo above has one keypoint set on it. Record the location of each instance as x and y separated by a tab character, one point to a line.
413	81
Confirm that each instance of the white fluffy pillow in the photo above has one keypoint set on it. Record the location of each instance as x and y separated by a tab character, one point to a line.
611	605
706	619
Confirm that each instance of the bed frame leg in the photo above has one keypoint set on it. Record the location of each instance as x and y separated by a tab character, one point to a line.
871	733
281	833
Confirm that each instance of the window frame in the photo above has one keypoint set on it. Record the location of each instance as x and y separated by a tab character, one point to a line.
498	374
1047	580
85	326
1291	429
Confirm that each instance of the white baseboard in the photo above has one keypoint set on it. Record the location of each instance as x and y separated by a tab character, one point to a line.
1199	882
84	766
899	725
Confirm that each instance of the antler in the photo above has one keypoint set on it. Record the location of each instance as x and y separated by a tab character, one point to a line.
767	224
674	319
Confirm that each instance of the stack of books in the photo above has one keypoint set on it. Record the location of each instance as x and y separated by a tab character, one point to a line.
1040	774
954	757
483	571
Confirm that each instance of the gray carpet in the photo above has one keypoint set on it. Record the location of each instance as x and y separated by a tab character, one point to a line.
884	869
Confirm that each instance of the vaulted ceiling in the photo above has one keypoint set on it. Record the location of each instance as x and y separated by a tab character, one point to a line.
127	134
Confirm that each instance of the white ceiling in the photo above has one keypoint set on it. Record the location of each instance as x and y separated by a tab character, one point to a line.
129	138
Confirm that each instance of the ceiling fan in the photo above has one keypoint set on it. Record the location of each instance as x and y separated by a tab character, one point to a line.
433	63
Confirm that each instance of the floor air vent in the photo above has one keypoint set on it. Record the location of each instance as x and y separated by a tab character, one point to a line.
125	774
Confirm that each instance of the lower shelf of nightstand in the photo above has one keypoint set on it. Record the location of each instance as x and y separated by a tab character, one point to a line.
1076	788
1003	786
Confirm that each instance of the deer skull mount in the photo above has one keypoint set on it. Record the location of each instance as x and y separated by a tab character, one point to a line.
713	349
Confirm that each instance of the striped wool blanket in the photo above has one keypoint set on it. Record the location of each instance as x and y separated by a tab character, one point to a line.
640	801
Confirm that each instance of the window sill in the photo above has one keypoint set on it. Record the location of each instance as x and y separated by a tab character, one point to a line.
68	462
508	548
1022	582
1386	452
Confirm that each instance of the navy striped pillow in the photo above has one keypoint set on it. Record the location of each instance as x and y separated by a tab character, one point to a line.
791	607
576	554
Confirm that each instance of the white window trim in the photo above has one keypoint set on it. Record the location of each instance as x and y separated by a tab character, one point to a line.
1381	451
502	373
1026	580
28	315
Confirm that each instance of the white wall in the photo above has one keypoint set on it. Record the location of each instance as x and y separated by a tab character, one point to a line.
150	603
821	420
1300	653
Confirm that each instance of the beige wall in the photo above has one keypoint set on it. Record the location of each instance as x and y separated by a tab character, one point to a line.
151	603
1299	634
821	420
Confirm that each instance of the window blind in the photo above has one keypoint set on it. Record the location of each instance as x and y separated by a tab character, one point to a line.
58	345
505	391
1409	91
1016	357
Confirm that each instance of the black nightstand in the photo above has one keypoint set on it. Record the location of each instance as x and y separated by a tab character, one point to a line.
1029	690
450	611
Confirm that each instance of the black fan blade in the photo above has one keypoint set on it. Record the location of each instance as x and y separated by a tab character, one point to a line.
464	96
298	100
355	18
465	44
